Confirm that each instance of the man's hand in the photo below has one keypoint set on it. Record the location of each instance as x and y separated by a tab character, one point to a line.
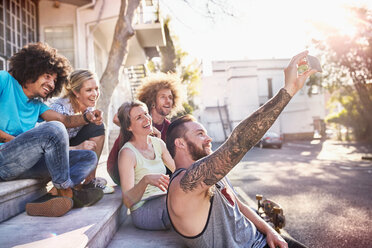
158	180
4	137
156	133
115	120
294	81
95	117
274	240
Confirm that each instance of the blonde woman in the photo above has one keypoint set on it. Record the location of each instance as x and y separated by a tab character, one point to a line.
79	97
141	168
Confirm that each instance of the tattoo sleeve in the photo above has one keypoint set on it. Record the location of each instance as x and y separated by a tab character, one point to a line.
214	167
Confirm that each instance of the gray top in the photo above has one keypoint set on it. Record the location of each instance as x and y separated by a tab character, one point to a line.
226	226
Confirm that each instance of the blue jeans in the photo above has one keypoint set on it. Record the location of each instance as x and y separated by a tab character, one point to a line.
43	152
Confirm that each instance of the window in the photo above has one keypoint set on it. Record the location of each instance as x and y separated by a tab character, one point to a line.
17	26
2	64
269	88
61	38
98	60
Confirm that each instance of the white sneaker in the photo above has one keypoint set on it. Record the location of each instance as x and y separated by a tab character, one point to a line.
108	189
100	180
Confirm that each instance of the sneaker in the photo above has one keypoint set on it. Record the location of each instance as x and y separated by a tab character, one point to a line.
49	206
97	184
86	197
108	190
100	180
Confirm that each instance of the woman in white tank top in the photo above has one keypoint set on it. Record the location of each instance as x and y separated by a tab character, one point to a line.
141	168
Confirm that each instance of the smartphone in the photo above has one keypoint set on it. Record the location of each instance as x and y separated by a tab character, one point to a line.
314	63
310	62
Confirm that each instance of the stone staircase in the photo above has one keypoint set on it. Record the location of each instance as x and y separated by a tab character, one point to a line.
105	224
15	194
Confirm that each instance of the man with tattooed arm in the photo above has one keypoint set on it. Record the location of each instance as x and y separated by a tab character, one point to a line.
201	203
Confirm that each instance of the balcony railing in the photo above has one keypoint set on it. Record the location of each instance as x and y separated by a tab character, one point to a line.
148	12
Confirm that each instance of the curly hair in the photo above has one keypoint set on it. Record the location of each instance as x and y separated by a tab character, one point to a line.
151	85
36	59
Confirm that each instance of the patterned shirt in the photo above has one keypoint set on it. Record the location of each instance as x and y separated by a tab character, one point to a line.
64	106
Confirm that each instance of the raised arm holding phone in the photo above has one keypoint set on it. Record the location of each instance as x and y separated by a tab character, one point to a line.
201	203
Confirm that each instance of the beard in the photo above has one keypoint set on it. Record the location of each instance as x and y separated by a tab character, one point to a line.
161	112
196	152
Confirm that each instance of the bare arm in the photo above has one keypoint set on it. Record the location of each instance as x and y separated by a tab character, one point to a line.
4	137
272	237
73	120
132	193
167	158
209	170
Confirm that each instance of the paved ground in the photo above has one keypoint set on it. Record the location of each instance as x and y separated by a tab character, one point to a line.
323	187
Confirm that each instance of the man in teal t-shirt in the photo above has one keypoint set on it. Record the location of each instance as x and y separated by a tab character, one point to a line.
20	113
37	72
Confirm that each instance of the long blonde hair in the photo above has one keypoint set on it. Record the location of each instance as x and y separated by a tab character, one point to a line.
76	81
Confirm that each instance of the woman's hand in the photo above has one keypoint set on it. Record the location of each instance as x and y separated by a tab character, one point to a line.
158	180
86	145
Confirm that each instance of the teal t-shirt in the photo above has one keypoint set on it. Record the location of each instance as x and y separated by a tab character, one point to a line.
18	114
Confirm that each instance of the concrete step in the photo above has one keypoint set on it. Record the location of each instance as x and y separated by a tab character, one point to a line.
15	194
130	236
92	226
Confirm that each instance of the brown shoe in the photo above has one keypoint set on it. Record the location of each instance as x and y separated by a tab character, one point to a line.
86	197
61	192
81	197
49	206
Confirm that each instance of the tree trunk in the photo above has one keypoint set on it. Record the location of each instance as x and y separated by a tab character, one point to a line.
364	96
168	53
119	48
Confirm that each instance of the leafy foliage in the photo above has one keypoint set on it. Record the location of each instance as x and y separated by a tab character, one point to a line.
347	64
349	115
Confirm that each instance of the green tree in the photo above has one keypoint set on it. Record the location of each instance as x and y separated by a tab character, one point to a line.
349	116
348	70
175	60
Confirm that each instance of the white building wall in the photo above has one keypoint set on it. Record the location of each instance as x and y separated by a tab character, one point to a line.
244	87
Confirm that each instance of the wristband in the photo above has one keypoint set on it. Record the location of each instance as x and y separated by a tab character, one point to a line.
85	117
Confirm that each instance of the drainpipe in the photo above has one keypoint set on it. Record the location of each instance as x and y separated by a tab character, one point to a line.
78	30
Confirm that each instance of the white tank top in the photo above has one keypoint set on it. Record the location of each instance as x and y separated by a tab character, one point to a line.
146	166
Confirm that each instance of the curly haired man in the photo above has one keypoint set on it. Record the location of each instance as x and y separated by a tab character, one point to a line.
37	72
163	96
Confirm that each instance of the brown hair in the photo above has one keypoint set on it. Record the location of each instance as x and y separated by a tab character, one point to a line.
176	130
35	59
124	119
153	83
